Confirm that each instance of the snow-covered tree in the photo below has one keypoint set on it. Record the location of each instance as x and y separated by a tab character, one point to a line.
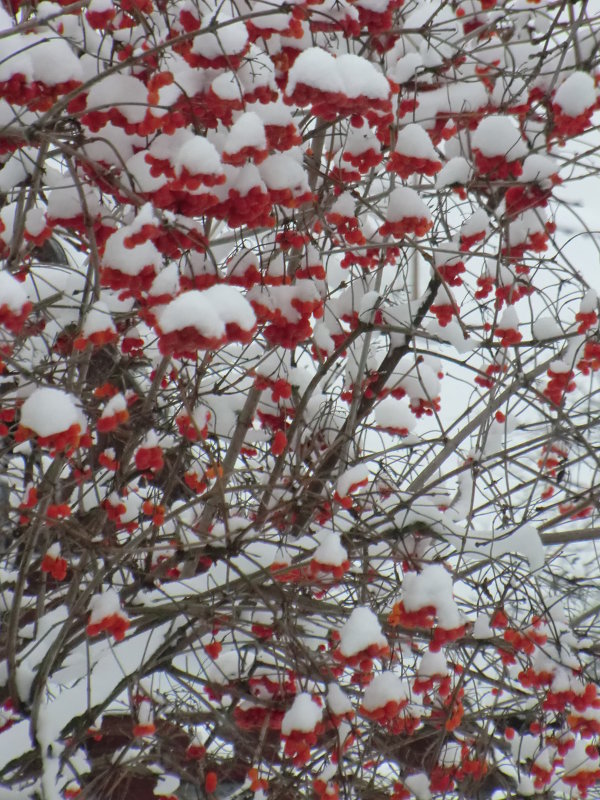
299	399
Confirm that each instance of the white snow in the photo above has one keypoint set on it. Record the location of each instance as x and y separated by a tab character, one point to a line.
145	712
576	94
192	309
481	628
578	760
351	477
35	221
338	701
15	741
478	222
130	260
509	319
499	136
360	631
546	328
432	664
238	264
418	784
227	87
392	414
385	687
405	202
350	75
405	68
92	676
344	205
361	78
524	540
444	296
247	131
104	605
360	140
121	91
17	60
538	169
64	201
114	406
138	171
99	6
54	550
166	785
53	60
97	319
257	70
166	146
330	551
451	755
48	411
456	171
282	171
422	383
231	306
525	225
431	587
232	40
560	367
303	716
323	339
166	282
199	156
275	113
12	292
413	140
315	67
588	304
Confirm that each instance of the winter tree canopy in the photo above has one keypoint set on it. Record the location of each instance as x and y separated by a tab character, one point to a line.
299	399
